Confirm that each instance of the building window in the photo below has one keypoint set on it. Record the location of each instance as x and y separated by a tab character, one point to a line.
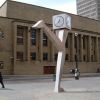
84	57
19	55
66	44
33	37
45	40
55	57
45	56
20	32
66	57
92	58
33	55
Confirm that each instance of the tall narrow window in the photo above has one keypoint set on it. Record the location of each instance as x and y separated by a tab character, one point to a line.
19	55
33	55
45	40
84	57
66	44
92	58
20	35
33	37
66	57
55	57
45	56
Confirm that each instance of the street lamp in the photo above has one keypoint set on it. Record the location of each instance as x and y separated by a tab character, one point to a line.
76	57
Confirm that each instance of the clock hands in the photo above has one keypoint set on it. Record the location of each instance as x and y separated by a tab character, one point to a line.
59	21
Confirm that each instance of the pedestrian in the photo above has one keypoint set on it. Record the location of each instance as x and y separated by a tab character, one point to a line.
1	80
77	74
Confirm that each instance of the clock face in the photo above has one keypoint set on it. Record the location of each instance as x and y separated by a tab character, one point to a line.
68	21
58	21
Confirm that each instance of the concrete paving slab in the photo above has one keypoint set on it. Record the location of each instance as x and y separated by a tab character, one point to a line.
83	89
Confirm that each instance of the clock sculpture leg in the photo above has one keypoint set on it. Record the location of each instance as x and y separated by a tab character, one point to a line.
60	62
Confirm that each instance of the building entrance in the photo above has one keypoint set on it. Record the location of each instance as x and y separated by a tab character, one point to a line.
49	69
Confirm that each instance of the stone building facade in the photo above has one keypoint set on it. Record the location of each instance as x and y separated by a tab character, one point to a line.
25	51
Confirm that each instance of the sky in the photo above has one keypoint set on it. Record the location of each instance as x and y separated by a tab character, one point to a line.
62	5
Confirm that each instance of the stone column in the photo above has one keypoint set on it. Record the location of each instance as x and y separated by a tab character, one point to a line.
28	45
14	46
89	48
97	50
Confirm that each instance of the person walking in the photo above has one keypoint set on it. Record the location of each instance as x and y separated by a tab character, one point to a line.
1	80
77	74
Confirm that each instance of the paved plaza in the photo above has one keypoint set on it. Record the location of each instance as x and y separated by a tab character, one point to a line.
86	88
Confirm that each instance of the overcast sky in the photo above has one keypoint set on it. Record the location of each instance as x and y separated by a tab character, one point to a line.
63	5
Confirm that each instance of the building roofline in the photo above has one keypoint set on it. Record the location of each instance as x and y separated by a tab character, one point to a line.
32	22
17	19
37	6
49	9
22	20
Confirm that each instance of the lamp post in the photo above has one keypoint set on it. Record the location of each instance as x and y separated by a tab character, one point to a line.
76	57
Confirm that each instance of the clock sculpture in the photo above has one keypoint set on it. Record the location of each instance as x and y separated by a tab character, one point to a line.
61	25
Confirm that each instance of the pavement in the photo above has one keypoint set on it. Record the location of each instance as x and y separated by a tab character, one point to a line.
35	77
86	88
